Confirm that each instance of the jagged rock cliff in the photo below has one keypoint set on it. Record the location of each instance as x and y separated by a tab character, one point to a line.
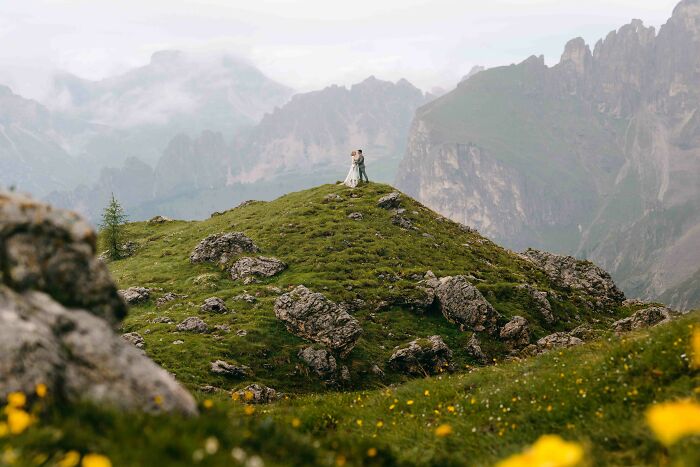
597	156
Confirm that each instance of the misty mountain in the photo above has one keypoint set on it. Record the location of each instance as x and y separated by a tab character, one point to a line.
597	156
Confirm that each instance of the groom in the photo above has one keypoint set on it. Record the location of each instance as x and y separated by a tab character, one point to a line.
361	165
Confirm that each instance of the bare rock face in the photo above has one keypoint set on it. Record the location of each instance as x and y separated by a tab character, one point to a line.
222	247
463	304
260	266
213	305
258	394
134	295
422	357
312	316
643	318
516	333
220	367
193	324
544	308
390	201
320	361
58	310
584	276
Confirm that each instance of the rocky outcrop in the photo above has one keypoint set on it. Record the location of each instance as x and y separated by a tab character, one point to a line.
312	316
193	324
320	361
643	318
258	394
570	273
422	357
213	305
220	367
58	310
539	298
463	304
248	267
390	201
516	333
134	295
223	247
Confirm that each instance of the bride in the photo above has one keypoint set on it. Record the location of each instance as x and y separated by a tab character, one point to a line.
353	177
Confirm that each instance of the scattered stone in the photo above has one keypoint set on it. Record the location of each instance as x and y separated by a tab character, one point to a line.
159	220
557	340
634	302
544	308
516	333
320	361
134	295
128	249
260	266
402	222
222	247
569	272
474	350
312	316
390	201
213	305
209	389
332	197
422	357
257	394
223	327
193	324
356	216
463	304
643	318
583	332
135	339
220	367
241	333
168	297
162	319
274	289
178	342
246	298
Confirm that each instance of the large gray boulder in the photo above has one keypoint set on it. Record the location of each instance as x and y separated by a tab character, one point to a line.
320	361
583	276
260	266
213	305
222	247
463	304
312	316
58	311
643	318
422	357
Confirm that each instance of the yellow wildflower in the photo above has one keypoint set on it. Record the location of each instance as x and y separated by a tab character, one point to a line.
96	460
4	429
18	420
380	424
372	452
41	390
426	393
248	395
671	421
359	422
9	456
158	400
340	460
16	400
391	407
695	348
548	451
443	430
208	403
71	459
249	410
235	396
451	408
409	402
296	423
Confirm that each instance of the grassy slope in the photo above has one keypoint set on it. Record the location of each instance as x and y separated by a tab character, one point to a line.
597	394
327	252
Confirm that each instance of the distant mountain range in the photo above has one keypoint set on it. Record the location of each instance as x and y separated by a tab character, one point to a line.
598	156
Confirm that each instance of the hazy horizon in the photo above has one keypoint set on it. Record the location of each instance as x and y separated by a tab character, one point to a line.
306	45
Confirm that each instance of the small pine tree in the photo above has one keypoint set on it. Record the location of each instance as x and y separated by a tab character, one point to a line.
112	227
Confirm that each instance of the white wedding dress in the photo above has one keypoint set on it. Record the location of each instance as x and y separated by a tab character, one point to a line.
353	177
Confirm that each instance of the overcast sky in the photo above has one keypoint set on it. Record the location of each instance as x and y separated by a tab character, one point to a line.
306	44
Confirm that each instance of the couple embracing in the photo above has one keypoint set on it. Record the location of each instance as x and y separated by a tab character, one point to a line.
357	169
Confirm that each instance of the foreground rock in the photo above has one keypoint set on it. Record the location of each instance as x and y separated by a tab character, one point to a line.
248	267
643	318
422	357
462	303
258	394
516	333
220	367
58	310
221	248
320	361
312	316
135	295
584	276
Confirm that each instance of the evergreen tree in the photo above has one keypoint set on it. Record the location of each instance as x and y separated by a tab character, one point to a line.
112	227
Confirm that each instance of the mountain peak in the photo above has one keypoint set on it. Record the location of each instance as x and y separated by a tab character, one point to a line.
577	53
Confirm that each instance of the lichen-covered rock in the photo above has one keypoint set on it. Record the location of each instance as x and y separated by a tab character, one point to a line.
135	295
220	367
257	394
221	248
463	304
643	318
516	333
213	305
544	308
320	361
312	316
390	201
422	357
193	324
135	339
53	251
260	266
584	276
473	348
